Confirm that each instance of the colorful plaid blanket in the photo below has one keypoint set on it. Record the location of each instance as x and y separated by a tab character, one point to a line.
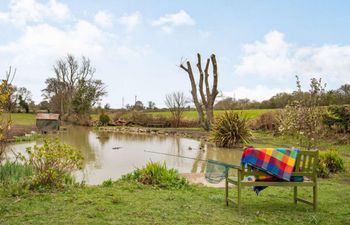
278	162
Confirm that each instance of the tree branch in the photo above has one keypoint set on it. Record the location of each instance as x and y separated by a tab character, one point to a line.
199	66
214	91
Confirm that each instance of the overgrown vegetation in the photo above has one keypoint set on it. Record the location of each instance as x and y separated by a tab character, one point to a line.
302	118
330	162
268	121
231	129
157	174
14	172
337	118
52	163
15	178
104	119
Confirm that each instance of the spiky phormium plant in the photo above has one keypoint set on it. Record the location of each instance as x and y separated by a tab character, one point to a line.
230	130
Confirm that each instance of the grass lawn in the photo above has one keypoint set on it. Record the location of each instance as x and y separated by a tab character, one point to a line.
130	203
125	203
192	115
21	118
29	118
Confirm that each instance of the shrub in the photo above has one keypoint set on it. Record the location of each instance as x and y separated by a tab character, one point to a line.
230	129
104	119
53	163
322	169
157	174
265	121
107	183
338	117
330	162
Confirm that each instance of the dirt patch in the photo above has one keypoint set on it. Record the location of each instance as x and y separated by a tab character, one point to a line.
20	130
199	179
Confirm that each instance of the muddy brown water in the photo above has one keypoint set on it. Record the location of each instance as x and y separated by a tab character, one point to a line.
110	155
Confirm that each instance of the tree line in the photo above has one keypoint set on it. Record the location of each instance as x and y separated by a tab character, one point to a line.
338	96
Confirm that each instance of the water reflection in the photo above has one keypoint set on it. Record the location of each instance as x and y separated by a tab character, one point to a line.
110	155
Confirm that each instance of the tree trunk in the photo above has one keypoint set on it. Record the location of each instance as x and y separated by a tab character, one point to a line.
207	97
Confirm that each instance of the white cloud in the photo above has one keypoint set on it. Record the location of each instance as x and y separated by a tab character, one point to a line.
46	40
169	21
130	21
104	19
274	58
258	93
22	12
38	47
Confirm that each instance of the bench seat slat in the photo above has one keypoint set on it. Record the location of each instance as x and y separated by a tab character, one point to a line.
271	183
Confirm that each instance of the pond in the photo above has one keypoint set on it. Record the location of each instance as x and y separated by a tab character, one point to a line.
110	155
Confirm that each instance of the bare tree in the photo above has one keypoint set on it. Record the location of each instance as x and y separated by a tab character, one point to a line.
73	88
207	94
176	102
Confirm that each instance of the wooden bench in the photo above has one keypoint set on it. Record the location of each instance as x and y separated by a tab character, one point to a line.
305	165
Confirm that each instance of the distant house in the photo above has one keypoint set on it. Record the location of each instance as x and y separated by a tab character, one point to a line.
46	122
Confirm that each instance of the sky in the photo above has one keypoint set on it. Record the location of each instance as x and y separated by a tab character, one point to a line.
137	46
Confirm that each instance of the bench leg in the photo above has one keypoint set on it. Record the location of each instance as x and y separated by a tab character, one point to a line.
239	198
239	187
295	195
226	192
315	196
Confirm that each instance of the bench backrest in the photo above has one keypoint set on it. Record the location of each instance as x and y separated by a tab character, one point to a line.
305	165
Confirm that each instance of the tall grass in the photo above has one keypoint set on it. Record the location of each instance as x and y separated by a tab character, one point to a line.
26	138
14	172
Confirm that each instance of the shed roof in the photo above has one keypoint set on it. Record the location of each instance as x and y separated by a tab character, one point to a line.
47	116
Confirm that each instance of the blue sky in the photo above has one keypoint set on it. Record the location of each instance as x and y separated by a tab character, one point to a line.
136	46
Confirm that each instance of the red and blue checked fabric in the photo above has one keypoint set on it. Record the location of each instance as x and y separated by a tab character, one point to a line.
278	162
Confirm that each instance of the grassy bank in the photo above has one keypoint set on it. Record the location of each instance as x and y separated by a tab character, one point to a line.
125	203
21	118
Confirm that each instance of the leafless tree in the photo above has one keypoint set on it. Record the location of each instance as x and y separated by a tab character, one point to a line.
73	79
207	94
176	102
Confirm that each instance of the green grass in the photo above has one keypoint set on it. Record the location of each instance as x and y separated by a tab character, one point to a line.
192	115
128	203
21	118
29	118
31	137
10	171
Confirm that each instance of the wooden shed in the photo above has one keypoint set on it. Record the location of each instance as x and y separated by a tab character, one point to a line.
48	121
